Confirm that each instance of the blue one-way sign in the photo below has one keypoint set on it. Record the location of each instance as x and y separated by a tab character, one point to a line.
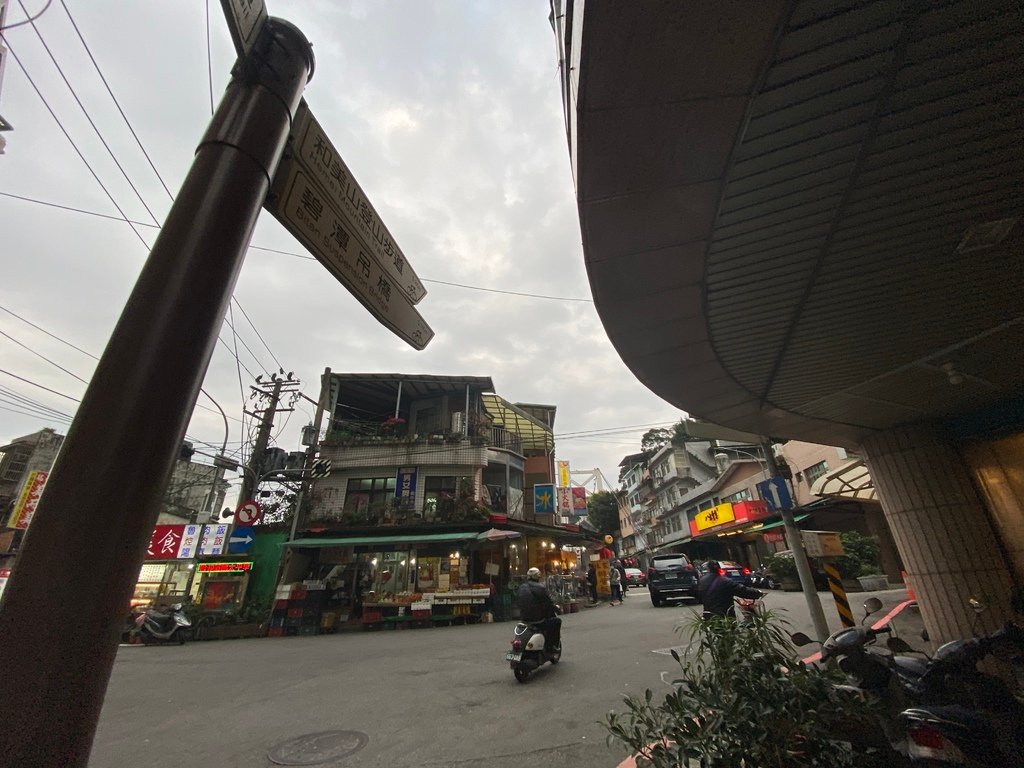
776	494
240	541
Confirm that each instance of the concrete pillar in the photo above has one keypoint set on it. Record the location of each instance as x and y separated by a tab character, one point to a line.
888	554
942	529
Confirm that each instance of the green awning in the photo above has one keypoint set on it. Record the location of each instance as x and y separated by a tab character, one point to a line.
779	523
402	539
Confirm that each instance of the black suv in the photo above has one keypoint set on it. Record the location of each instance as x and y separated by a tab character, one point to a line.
671	576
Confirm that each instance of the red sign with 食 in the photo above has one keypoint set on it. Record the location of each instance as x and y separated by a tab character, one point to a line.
165	542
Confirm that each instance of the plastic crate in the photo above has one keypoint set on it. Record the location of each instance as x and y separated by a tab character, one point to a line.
372	617
295	613
275	632
277	621
421	614
280	603
290	622
299	593
313	630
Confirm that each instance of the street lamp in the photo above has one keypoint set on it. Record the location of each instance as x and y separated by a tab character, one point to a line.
721	458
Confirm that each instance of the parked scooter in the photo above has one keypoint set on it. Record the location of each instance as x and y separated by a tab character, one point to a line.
530	650
762	579
156	627
966	717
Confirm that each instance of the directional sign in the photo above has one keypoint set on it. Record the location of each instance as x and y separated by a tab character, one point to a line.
314	152
312	217
248	512
245	18
240	541
775	493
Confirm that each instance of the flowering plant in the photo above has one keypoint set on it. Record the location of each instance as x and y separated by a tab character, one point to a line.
392	423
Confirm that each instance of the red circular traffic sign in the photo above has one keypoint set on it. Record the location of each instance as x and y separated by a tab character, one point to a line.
248	512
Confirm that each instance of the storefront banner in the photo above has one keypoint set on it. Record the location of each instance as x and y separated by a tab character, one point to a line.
604	580
563	474
773	537
225	567
715	516
579	500
544	499
565	501
405	487
5	574
164	543
214	539
28	500
189	539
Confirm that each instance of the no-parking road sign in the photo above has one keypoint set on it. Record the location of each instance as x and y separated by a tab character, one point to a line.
248	512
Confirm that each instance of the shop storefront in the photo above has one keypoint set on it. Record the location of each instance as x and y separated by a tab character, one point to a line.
172	571
220	585
459	577
731	531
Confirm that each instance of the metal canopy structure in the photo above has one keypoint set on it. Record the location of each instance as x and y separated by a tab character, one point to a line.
535	434
802	219
850	480
375	394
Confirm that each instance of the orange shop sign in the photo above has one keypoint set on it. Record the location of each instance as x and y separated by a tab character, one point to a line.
224	567
715	516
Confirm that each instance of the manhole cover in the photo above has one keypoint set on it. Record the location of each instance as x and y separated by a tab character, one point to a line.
317	748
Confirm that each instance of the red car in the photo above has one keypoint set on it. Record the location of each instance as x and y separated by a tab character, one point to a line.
635	577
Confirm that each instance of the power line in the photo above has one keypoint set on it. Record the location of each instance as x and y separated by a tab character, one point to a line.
88	117
30	19
290	253
28	381
43	357
116	102
71	141
209	55
258	334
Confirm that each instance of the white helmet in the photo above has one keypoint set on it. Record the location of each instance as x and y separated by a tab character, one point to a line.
533	574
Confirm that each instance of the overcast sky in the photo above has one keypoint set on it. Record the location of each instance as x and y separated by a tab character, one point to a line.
449	116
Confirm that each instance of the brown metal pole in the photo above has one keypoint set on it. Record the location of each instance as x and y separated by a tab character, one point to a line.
63	609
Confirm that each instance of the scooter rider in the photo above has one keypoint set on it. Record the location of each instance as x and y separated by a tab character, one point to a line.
537	607
716	592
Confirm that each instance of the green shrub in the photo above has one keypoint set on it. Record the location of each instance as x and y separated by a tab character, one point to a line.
861	555
781	567
741	699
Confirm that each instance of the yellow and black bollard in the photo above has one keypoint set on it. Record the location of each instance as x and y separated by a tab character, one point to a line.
835	583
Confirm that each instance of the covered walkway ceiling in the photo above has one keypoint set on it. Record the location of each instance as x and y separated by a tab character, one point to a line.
802	218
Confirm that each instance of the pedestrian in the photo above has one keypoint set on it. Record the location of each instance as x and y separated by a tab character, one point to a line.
616	579
622	571
592	582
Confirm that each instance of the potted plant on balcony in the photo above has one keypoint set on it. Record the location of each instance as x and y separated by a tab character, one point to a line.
453	437
392	426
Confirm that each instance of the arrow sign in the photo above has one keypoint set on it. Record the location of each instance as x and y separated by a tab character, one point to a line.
240	541
248	512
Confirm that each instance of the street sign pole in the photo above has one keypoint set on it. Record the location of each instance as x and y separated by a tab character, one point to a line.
83	553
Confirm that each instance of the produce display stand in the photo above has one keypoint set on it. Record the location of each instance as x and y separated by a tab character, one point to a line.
462	606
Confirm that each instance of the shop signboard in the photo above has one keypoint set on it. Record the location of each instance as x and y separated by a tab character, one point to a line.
28	500
579	500
544	499
563	474
214	539
822	543
189	539
164	543
239	567
405	487
565	501
710	518
5	574
773	537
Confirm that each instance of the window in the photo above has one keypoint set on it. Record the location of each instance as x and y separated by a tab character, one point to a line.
813	473
439	496
370	494
743	495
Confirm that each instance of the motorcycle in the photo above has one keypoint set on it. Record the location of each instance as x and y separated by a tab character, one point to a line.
762	579
530	650
155	627
966	717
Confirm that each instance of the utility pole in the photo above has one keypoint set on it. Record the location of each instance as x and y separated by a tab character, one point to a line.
88	537
311	449
796	546
251	475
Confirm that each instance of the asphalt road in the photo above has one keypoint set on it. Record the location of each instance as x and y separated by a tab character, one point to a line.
428	697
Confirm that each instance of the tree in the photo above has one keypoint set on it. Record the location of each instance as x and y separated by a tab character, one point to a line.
654	440
279	506
603	512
